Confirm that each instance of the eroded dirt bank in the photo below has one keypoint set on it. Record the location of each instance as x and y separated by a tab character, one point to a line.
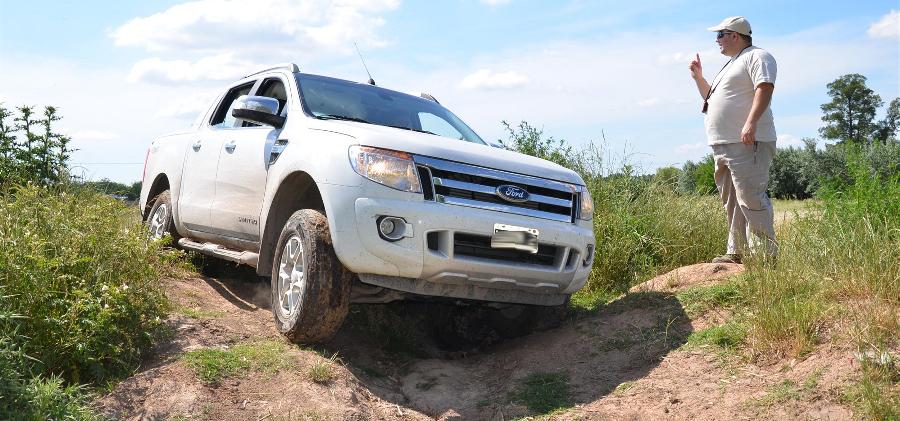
625	361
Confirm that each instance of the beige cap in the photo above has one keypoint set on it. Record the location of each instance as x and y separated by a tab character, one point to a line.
735	24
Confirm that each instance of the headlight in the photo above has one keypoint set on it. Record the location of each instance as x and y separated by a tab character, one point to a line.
587	205
390	168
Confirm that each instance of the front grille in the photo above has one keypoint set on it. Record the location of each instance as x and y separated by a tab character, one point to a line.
468	185
480	246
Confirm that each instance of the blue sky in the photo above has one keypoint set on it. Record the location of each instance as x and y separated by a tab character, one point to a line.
125	72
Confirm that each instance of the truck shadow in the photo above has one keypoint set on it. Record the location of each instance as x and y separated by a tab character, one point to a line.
465	362
401	353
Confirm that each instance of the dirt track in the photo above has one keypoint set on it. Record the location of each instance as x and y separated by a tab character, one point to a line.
626	361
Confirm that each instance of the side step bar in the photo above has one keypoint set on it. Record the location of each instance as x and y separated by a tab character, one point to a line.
215	250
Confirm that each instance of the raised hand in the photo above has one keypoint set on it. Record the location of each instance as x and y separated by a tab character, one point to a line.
696	68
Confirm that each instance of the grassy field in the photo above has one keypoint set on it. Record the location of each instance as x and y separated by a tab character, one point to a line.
787	210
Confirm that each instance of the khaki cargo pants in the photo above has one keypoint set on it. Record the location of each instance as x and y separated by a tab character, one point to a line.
742	176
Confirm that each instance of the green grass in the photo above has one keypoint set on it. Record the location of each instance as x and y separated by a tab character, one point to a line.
699	300
727	337
195	313
543	393
644	229
214	365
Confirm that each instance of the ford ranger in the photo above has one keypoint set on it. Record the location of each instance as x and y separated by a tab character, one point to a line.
346	192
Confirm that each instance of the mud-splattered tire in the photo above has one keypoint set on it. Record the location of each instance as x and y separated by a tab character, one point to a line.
160	220
310	286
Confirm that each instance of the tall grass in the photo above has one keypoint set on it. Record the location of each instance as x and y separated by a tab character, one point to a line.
643	227
837	276
79	293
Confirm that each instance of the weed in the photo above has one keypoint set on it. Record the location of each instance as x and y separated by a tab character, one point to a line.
78	269
543	393
322	371
214	365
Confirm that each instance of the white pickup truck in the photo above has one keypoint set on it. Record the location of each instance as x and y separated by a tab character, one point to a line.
348	192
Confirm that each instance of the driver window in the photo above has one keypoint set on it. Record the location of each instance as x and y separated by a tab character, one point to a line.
438	126
271	88
274	88
223	118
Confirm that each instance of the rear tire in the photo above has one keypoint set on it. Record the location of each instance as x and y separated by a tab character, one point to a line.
161	218
310	286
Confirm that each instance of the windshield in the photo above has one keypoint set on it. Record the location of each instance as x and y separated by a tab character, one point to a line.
327	98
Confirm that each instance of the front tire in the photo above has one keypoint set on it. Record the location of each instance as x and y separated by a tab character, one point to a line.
310	286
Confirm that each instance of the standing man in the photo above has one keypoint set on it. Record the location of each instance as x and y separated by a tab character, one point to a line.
741	131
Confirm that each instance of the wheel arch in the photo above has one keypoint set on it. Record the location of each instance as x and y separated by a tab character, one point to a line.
297	191
159	185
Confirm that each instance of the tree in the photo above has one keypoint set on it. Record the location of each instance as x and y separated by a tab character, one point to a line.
887	128
850	115
30	150
530	140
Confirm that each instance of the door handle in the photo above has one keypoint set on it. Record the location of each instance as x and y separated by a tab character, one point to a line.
230	146
196	146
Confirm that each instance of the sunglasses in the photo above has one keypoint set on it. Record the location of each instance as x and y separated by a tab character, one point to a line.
721	34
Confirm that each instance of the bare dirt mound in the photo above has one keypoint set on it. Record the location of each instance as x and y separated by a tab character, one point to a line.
625	361
700	274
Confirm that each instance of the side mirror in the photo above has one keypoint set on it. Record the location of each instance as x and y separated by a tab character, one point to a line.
258	109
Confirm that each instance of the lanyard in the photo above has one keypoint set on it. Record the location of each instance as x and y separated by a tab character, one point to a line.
717	82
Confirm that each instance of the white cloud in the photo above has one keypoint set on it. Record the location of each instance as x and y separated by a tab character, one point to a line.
218	67
187	107
211	25
486	79
238	33
493	3
93	135
886	27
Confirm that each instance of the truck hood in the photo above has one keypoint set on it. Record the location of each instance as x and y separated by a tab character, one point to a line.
450	149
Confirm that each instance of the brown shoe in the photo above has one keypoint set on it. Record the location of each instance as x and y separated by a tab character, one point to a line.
727	258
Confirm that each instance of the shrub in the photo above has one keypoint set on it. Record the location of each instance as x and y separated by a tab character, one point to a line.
78	269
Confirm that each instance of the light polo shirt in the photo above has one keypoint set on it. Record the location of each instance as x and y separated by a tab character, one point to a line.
732	98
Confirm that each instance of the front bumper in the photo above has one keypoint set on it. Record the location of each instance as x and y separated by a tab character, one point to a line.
431	260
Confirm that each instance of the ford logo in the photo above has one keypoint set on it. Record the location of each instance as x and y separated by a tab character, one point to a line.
512	193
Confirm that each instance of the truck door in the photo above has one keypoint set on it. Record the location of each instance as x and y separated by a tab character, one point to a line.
198	184
243	170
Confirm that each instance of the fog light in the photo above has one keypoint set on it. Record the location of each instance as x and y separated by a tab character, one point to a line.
589	254
391	228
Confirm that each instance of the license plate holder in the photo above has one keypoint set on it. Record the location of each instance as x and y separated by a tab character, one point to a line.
516	238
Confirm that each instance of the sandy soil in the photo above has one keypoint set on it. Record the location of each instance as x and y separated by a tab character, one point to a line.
625	361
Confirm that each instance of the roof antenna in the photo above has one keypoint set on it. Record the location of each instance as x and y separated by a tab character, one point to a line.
371	81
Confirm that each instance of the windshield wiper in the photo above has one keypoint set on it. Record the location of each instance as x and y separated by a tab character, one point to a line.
411	129
342	117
